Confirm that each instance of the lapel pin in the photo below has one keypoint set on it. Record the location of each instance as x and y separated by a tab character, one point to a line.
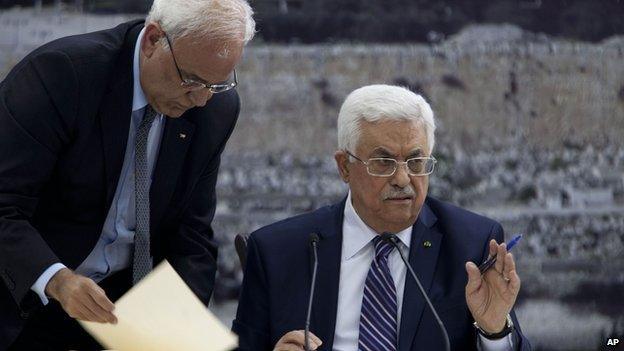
427	244
182	136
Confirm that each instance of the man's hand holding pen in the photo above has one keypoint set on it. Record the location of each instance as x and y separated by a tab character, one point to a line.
490	296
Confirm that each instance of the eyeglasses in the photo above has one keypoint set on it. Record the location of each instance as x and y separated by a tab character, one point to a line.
386	167
194	85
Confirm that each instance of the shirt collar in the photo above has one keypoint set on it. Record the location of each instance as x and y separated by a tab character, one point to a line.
358	234
138	97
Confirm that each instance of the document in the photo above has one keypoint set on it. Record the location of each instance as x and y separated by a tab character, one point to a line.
162	313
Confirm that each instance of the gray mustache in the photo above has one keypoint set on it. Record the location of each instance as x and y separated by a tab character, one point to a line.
404	192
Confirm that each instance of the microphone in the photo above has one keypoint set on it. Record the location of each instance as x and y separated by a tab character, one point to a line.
314	239
392	239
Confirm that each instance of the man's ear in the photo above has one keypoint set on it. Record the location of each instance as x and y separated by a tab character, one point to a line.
152	35
343	164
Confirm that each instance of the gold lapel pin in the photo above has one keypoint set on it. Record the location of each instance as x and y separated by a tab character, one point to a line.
182	136
427	244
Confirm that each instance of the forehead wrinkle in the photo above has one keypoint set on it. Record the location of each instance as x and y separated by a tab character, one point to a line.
384	136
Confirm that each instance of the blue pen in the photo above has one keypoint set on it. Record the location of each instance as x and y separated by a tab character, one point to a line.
490	261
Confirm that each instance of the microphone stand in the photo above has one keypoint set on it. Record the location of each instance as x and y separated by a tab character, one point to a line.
314	239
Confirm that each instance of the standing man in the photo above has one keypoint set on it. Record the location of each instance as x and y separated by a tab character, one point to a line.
364	298
110	145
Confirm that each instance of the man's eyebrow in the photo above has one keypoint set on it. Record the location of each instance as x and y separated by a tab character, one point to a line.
416	153
381	151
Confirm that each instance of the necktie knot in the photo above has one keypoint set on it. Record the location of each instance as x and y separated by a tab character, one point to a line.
382	248
149	115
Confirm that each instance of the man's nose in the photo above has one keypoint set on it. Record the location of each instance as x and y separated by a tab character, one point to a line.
200	97
400	177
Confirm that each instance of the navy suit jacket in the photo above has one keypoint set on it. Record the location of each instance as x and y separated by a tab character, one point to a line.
64	118
276	283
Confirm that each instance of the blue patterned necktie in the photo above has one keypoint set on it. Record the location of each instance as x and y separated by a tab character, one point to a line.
378	317
142	260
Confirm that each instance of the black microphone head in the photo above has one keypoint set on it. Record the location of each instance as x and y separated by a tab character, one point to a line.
314	238
388	237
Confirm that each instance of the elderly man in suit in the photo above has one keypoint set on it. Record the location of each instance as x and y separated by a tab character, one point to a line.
364	300
110	145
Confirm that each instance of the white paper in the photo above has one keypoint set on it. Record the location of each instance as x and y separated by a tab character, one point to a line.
162	313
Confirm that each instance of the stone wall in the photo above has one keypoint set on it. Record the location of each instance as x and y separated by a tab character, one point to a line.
510	89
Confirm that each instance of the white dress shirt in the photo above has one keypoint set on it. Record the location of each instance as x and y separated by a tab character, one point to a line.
113	250
357	255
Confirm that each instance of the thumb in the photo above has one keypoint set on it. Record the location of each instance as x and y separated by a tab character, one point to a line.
474	277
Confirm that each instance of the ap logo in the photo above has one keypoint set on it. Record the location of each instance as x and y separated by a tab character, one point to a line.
613	342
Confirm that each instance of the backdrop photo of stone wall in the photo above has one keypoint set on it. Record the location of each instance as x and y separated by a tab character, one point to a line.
530	132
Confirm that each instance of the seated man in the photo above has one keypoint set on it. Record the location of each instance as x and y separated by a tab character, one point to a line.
364	300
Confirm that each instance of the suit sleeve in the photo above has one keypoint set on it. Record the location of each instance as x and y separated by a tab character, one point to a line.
252	317
520	342
37	108
194	252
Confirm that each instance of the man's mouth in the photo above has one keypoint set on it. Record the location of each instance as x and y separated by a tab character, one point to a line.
400	198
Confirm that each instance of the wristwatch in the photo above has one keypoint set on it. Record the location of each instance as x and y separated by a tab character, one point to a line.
509	327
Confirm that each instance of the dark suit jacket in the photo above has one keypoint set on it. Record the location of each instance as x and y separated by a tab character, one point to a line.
64	118
277	278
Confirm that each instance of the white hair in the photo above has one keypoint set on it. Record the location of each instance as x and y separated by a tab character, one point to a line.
224	20
375	103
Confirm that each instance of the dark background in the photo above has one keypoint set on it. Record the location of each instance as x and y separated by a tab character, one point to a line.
394	21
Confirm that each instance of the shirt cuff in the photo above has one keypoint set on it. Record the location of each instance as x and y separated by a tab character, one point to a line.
502	344
42	281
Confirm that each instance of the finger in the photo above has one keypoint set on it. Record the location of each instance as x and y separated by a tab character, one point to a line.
289	347
511	273
90	307
510	264
474	278
103	305
293	337
108	317
99	295
86	314
493	248
95	309
500	258
297	337
315	339
514	282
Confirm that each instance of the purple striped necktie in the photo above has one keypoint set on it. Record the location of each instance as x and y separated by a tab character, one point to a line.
378	317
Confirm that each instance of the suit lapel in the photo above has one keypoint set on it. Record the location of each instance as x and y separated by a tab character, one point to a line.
325	306
177	137
115	112
423	259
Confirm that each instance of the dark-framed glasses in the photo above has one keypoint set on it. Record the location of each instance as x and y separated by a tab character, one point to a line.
386	167
194	85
